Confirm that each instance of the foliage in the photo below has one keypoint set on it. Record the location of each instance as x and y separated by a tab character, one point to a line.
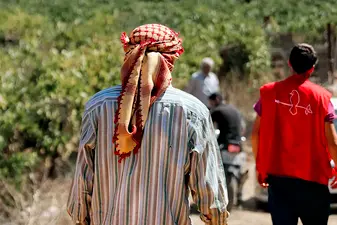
55	54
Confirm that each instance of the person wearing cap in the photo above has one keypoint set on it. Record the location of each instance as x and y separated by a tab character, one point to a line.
294	140
204	82
145	145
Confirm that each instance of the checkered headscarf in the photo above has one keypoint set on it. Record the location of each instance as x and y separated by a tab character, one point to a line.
150	52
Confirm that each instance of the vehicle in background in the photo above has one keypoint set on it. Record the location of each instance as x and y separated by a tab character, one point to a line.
236	173
261	194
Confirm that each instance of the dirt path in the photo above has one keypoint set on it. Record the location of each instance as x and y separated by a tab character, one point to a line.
251	215
50	203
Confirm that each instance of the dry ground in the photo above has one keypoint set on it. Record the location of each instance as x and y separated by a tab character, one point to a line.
49	207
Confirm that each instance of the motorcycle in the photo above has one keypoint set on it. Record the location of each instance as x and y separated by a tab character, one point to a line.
236	173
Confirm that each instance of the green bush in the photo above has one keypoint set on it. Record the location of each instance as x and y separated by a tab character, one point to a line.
55	54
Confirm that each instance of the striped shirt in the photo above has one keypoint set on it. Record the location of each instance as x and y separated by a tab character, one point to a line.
179	155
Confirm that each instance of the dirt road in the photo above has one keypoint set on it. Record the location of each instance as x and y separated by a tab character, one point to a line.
250	214
50	201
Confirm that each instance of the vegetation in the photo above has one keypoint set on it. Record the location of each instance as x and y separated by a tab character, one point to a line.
55	54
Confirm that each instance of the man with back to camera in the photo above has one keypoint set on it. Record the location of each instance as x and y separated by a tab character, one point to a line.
145	145
294	140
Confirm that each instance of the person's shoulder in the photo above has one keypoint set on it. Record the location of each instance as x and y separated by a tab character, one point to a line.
108	94
215	110
185	100
266	88
227	108
319	89
196	75
268	85
232	107
213	75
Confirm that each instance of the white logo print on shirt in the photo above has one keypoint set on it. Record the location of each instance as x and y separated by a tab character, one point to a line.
294	103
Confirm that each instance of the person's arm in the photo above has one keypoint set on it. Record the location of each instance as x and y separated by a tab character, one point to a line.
79	201
207	178
255	136
255	147
214	116
256	128
232	122
217	84
331	136
243	126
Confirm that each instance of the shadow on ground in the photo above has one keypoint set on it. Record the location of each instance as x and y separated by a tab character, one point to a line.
248	205
253	206
256	206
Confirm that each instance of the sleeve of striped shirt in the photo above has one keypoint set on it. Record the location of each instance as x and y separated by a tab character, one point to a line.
79	201
207	177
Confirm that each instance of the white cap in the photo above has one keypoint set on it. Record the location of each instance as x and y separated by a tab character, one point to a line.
208	61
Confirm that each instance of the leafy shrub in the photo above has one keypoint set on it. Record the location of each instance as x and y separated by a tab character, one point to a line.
55	54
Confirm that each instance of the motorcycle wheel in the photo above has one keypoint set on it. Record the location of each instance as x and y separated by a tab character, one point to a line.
230	191
259	205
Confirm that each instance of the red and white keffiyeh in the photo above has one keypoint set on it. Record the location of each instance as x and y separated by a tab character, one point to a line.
150	52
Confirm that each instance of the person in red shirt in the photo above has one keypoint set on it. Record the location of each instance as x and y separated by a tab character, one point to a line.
294	141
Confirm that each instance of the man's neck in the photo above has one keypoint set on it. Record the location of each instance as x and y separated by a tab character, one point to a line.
205	74
302	76
220	104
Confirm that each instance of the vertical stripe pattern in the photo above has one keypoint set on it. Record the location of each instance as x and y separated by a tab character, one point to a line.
179	152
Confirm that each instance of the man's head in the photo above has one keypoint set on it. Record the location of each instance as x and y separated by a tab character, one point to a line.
206	65
302	58
266	19
150	52
153	38
215	99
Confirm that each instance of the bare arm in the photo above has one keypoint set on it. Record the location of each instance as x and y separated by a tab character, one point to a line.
255	147
255	136
331	136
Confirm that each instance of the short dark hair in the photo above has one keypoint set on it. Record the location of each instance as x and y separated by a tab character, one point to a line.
302	58
214	96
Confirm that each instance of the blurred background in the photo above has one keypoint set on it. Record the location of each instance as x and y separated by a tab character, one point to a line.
55	54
